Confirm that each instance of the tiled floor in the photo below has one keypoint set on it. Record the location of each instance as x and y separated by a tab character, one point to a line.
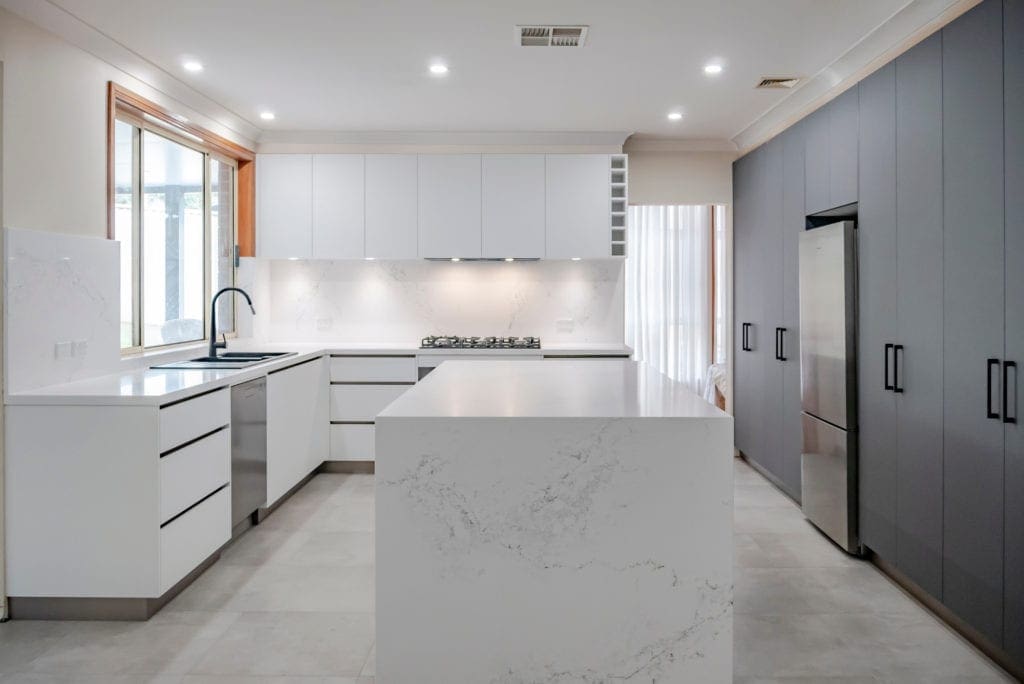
292	602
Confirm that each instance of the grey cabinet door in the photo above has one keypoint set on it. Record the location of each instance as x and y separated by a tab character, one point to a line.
748	374
842	144
972	143
876	246
792	226
816	162
770	281
919	301
1013	101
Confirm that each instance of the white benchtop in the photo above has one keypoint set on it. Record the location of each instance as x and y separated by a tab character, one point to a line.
144	386
576	388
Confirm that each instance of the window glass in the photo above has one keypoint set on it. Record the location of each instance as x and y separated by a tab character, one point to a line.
124	224
222	239
173	249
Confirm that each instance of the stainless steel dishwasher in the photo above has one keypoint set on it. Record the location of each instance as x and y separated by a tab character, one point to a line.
248	449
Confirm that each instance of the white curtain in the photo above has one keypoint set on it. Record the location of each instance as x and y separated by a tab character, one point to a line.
668	290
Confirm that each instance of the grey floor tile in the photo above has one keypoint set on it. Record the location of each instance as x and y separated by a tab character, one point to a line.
338	549
287	643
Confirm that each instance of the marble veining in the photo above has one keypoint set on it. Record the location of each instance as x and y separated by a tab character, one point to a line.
60	288
388	301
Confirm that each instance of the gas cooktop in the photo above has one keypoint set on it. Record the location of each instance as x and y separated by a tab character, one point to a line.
455	342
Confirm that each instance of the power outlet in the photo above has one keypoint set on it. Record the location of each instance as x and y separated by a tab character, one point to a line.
80	348
324	324
63	350
565	325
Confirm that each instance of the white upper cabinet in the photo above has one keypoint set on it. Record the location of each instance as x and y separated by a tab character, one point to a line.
578	201
284	205
338	210
449	205
391	206
513	206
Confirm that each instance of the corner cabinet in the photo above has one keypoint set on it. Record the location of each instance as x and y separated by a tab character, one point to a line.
442	206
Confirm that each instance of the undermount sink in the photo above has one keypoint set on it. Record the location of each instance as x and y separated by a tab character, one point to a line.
226	360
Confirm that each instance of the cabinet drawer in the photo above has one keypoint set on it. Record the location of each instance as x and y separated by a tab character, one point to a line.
193	418
190	473
352	442
373	369
189	540
362	402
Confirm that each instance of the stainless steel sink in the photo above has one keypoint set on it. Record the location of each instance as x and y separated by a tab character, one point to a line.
227	360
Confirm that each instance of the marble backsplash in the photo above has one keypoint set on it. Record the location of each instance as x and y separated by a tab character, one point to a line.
61	307
401	301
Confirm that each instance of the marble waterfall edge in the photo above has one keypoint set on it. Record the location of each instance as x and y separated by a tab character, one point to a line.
554	550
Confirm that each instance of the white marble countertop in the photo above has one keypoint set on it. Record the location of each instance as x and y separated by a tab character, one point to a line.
577	388
142	386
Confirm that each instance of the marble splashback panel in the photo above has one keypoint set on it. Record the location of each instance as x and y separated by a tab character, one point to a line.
401	301
59	288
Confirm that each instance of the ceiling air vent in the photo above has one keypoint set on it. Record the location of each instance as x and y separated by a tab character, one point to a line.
778	82
551	36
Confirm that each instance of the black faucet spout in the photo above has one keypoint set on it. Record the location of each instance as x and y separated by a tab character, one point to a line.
214	344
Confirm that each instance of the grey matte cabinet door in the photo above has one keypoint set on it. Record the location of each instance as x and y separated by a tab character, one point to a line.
792	226
876	246
919	301
770	241
973	312
1013	79
747	305
816	162
842	144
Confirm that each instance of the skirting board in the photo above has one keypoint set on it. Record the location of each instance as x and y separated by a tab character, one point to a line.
78	608
1001	658
352	467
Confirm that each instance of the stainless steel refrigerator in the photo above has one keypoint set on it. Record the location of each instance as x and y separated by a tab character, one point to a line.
828	380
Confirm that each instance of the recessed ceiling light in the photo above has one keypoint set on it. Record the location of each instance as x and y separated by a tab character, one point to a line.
456	259
576	258
509	259
438	69
712	69
192	65
267	116
675	116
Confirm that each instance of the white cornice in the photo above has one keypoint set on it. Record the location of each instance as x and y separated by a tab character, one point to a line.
451	141
185	99
644	143
912	24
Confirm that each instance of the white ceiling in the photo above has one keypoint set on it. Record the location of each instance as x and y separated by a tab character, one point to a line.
341	65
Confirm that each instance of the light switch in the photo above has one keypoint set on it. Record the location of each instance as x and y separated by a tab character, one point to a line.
80	349
63	350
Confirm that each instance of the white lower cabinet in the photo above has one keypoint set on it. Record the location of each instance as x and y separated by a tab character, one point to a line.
191	472
191	538
352	442
362	403
297	418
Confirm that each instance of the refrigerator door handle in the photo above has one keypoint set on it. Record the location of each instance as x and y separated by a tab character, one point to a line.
989	413
897	351
1007	365
888	348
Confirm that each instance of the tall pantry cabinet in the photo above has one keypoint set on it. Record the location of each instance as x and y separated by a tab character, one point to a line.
936	169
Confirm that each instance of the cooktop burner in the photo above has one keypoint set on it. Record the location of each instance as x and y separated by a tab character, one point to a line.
455	342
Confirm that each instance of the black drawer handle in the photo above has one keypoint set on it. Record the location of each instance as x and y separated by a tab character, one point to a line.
888	348
989	413
1006	391
897	351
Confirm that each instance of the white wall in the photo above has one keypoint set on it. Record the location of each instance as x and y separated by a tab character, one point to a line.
680	177
55	130
402	301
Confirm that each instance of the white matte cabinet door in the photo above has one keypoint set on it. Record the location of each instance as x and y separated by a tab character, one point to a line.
284	206
449	205
513	206
297	425
391	198
338	214
577	201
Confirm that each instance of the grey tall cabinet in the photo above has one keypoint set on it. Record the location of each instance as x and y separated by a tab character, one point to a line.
930	147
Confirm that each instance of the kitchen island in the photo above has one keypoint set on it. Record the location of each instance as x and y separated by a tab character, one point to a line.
553	522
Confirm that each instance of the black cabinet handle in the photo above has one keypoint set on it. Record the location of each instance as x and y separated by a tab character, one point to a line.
888	348
780	344
745	344
1007	365
989	413
897	350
